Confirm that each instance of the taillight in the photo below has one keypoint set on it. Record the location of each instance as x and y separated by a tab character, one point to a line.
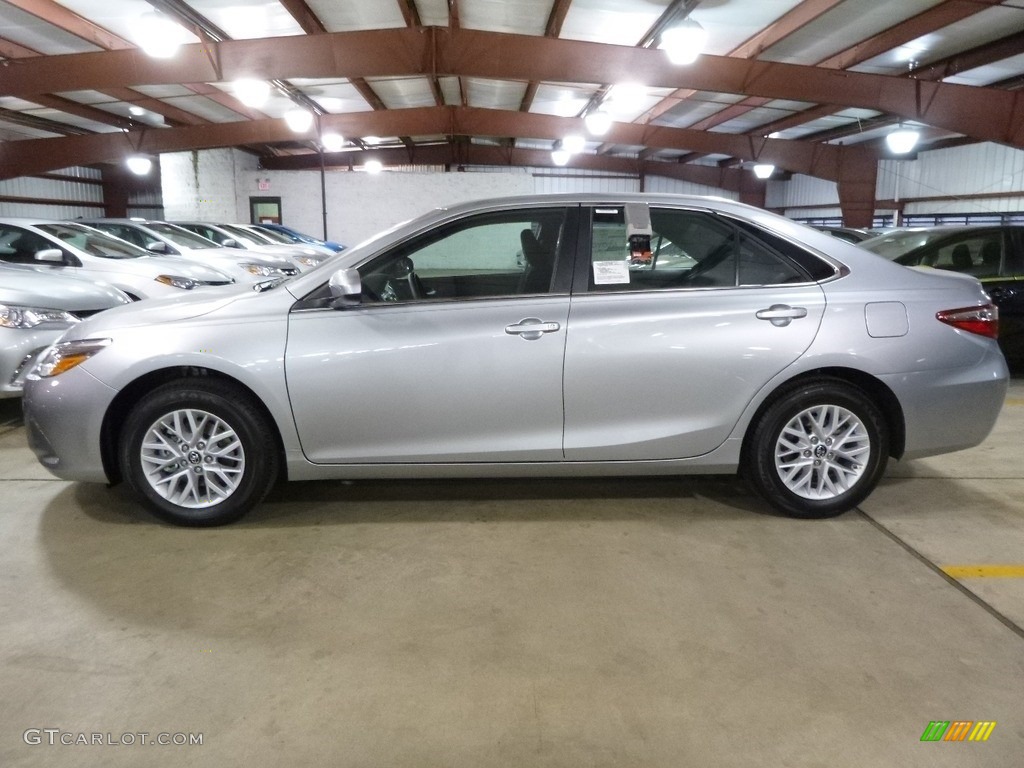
983	320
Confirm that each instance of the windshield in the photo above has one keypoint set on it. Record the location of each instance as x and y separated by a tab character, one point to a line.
895	244
93	242
180	236
240	234
275	237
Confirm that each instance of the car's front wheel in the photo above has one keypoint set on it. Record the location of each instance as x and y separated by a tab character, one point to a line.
198	452
818	450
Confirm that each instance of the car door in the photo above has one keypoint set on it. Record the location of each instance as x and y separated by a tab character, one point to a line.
674	327
454	353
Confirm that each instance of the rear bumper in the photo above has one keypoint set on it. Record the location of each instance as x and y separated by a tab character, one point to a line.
949	410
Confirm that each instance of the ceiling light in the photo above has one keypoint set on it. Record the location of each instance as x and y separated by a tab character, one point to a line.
332	142
299	120
158	36
626	98
139	165
371	140
373	166
902	140
685	42
764	170
252	93
574	144
598	122
569	106
137	111
560	156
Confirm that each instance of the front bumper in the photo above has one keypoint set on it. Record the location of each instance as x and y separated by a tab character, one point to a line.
64	422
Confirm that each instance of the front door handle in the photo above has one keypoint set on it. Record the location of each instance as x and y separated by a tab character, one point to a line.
531	328
781	315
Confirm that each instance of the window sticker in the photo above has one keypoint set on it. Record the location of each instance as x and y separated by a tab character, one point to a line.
611	272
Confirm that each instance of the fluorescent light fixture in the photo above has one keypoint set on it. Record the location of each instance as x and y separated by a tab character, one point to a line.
764	170
574	144
158	36
137	111
332	142
252	93
372	140
139	165
685	42
299	120
598	122
373	166
902	140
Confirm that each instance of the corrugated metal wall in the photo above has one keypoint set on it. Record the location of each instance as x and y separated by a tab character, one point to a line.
74	192
956	174
802	190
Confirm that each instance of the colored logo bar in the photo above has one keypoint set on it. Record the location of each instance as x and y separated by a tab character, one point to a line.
958	730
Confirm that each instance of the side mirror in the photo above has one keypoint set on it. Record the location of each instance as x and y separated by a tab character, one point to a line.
346	288
157	246
50	256
229	242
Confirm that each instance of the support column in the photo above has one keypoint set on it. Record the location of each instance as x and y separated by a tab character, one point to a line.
858	178
753	191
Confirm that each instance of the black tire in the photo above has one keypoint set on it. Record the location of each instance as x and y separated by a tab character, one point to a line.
203	485
792	433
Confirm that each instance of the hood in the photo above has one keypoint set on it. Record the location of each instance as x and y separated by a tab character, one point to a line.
164	310
233	257
152	266
37	289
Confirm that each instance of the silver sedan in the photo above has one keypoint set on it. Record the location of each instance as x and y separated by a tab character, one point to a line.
567	335
35	309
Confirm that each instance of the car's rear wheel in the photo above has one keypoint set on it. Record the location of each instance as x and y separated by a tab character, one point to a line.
818	450
198	452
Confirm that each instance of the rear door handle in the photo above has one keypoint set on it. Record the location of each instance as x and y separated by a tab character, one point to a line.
781	315
531	328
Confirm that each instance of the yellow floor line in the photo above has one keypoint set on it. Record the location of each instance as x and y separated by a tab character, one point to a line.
984	571
1014	401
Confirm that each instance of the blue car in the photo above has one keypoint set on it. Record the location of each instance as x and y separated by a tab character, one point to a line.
300	237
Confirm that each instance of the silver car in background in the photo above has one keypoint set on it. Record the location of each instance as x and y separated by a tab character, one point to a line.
232	236
35	309
566	335
163	239
72	249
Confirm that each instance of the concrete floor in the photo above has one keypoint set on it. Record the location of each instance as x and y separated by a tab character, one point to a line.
617	623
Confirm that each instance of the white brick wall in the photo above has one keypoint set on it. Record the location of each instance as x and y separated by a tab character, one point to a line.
201	185
360	205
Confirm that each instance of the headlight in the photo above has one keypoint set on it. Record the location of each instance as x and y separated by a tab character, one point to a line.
260	270
66	355
175	281
307	261
23	318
